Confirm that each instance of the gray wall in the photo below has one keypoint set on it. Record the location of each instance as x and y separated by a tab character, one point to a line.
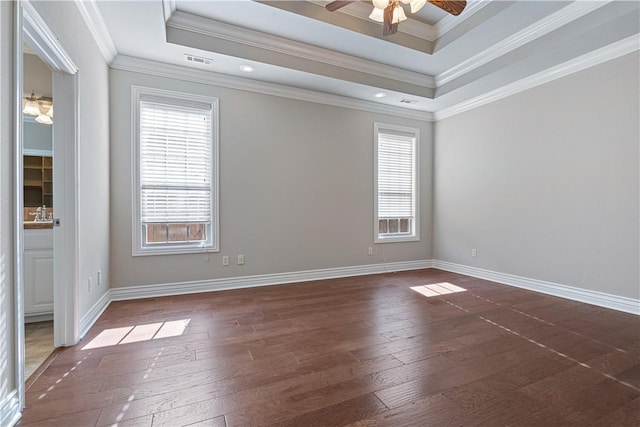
67	24
37	76
296	188
36	136
545	183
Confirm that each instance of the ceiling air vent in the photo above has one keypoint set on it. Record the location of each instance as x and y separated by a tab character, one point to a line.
198	59
409	101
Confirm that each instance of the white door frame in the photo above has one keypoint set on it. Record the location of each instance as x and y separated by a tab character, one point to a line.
31	28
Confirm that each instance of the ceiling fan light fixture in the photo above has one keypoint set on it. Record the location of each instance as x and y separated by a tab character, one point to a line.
416	5
380	4
398	14
377	15
391	12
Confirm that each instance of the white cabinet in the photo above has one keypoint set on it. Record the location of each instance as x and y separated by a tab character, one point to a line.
38	272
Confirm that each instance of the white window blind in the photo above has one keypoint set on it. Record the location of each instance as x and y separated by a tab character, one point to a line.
175	163
396	175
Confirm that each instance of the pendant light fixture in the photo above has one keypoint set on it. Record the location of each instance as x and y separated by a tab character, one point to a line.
31	106
45	116
41	107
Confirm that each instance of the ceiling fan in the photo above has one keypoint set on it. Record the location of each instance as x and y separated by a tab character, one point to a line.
391	13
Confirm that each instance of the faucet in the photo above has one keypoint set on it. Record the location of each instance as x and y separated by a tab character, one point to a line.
37	216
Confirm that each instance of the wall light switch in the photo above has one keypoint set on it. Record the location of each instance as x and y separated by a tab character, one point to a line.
99	277
240	259
225	260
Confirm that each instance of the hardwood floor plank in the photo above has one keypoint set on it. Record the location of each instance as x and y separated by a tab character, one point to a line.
87	418
434	410
627	415
339	414
455	376
212	422
145	421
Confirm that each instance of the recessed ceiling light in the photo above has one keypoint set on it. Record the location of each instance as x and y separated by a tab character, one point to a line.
246	68
380	95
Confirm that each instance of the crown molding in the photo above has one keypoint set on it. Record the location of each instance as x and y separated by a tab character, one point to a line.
550	23
144	66
598	56
449	22
98	28
580	63
43	41
224	31
168	8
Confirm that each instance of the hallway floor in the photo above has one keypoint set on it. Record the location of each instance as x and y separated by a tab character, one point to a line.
38	345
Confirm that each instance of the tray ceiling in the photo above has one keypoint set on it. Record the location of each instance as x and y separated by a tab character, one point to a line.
435	63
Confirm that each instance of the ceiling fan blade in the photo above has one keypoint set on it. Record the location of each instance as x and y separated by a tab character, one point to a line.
335	5
387	27
453	7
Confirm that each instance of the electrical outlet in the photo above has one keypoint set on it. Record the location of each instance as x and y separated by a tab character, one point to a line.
370	250
99	277
474	252
90	283
240	259
225	260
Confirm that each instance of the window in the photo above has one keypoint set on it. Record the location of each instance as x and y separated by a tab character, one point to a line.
175	172
396	183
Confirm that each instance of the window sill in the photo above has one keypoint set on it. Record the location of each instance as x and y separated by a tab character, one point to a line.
399	239
174	250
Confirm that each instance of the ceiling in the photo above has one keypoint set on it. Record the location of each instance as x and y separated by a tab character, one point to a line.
436	63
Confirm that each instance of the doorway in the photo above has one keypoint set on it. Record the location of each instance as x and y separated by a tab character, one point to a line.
37	173
50	185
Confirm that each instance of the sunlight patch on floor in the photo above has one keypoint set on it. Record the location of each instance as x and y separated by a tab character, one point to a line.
138	333
437	289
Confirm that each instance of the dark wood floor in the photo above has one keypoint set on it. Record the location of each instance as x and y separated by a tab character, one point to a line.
364	351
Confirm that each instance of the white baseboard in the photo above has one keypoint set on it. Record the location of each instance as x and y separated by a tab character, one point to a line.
90	317
33	318
602	299
615	302
179	288
10	409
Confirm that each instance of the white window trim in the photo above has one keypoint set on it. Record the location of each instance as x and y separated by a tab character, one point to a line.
415	236
138	249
